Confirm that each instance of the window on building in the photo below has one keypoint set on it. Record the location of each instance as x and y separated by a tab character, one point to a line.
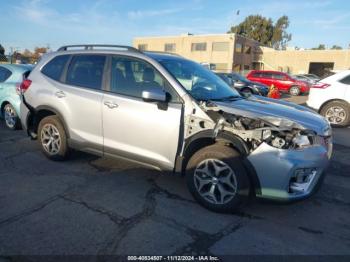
238	48
170	47
4	74
54	68
247	49
246	67
132	76
221	66
221	46
143	47
235	68
86	71
345	80
199	47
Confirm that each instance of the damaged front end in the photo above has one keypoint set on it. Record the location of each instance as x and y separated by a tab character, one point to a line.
254	129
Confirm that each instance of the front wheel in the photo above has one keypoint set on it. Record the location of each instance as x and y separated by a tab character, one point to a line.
294	90
11	118
337	113
217	179
52	138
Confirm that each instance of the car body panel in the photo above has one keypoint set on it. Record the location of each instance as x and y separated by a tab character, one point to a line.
336	91
8	93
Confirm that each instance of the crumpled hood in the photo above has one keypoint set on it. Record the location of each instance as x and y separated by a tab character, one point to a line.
256	107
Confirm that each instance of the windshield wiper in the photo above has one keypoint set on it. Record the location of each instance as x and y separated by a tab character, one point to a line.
228	98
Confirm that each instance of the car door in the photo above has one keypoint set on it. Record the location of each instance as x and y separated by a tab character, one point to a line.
281	81
266	78
147	132
345	84
78	97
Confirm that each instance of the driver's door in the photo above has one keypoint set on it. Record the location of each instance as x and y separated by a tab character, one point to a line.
133	128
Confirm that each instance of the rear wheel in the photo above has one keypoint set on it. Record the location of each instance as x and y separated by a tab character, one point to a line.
11	118
294	90
217	179
53	138
337	113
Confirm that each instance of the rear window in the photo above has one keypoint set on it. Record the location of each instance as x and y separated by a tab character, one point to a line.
86	71
4	74
54	68
345	80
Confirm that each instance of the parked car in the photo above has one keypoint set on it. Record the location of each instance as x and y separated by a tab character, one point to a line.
283	81
331	98
11	76
305	78
313	77
170	113
242	84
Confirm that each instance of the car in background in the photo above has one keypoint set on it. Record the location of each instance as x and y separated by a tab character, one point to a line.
312	77
331	98
283	81
11	77
242	84
305	78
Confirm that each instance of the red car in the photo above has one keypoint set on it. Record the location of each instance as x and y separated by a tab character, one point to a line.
282	81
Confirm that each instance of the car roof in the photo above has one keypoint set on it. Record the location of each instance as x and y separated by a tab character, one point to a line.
267	71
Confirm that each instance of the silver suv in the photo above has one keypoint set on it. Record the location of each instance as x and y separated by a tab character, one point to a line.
172	114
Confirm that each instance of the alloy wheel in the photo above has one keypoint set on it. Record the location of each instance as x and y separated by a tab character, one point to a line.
336	115
294	91
215	181
50	139
10	116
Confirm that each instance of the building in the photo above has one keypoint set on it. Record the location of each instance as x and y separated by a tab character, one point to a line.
224	52
231	52
319	62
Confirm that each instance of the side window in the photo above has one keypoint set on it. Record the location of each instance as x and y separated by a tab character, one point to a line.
86	71
257	75
345	80
4	74
278	76
266	75
54	68
131	76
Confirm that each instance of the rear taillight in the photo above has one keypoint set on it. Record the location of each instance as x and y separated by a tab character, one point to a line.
25	85
320	85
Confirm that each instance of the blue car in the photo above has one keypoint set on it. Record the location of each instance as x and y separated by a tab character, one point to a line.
11	77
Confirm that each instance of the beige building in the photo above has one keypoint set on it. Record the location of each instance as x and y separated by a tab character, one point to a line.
224	52
231	52
305	61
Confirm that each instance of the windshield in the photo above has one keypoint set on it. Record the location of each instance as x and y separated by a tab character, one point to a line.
200	82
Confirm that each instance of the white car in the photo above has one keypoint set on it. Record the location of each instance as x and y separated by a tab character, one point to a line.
331	98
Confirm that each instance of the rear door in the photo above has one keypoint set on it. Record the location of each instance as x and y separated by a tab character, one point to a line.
78	97
266	78
282	82
144	131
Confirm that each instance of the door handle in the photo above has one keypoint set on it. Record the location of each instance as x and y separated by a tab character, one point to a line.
111	104
60	94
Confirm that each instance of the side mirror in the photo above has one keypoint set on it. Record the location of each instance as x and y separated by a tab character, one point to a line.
154	95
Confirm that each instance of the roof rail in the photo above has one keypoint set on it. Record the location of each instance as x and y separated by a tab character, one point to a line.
91	47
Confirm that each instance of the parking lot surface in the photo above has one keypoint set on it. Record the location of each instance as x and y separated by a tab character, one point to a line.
99	206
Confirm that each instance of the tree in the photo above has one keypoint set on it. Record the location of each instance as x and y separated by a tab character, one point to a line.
263	30
2	50
320	47
38	52
336	47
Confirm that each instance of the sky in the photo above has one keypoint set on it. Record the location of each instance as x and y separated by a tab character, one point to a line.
30	23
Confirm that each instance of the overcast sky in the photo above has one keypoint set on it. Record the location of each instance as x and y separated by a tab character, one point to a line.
29	23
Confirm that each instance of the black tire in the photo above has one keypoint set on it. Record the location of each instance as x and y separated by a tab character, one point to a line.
345	106
294	90
231	158
16	124
63	149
